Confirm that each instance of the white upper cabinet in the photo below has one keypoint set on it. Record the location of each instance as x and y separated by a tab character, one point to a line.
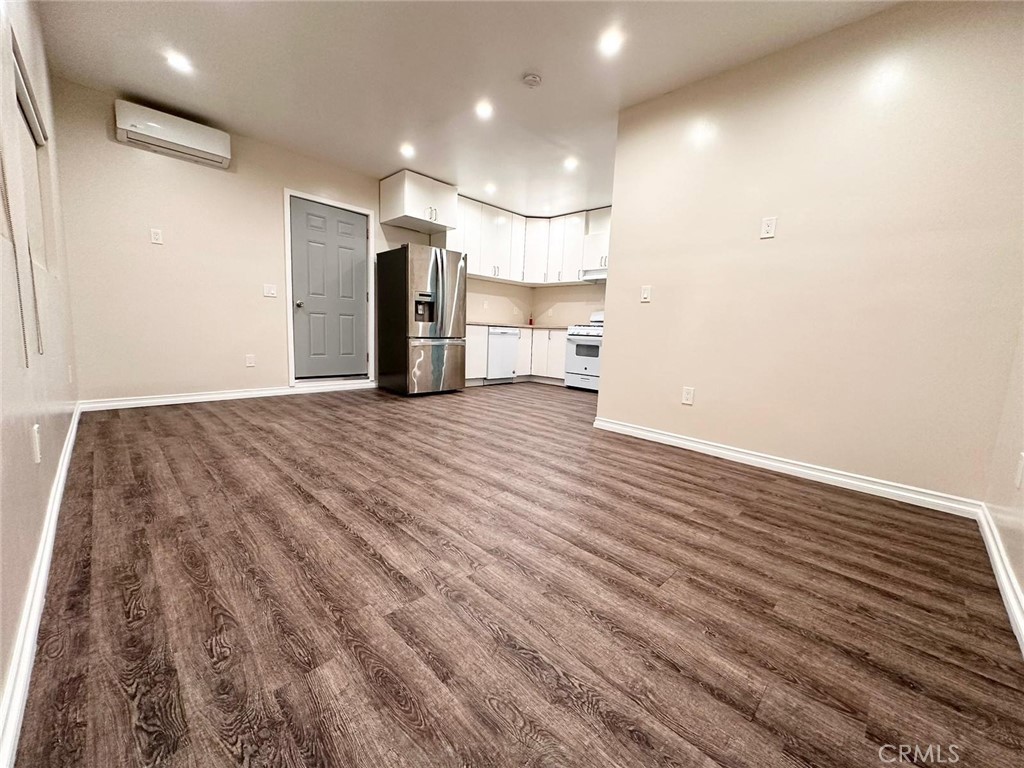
556	248
517	260
496	242
595	251
506	246
572	249
470	217
536	255
595	245
416	202
599	220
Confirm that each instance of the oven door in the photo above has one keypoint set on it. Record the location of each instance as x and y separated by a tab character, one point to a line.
583	355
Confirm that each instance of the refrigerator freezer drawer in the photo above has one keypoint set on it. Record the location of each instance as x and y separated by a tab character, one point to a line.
436	365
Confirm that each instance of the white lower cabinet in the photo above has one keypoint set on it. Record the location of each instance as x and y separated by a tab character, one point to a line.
539	353
556	354
476	351
548	354
525	356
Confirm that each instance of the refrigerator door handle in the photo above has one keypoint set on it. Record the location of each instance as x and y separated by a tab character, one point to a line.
437	342
442	309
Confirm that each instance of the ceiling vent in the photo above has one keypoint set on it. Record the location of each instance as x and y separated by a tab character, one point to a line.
169	135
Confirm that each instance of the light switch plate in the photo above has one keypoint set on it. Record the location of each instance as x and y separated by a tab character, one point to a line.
645	294
270	290
156	237
250	361
768	227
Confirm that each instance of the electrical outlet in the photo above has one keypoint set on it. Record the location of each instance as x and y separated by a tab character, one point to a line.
645	294
250	361
486	304
270	290
768	227
687	395
1020	470
156	237
37	444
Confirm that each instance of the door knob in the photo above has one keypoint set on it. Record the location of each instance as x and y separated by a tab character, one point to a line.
300	303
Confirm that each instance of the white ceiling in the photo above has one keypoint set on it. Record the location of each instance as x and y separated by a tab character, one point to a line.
351	81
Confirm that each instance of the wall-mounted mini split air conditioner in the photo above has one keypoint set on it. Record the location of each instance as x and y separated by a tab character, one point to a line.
169	135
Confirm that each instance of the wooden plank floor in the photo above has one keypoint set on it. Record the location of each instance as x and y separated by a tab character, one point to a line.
483	579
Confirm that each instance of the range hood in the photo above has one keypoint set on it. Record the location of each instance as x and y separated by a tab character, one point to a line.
595	275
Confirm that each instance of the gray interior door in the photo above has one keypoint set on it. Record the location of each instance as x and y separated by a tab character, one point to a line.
329	290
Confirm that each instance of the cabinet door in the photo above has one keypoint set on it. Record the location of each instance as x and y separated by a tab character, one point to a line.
476	351
495	241
572	251
517	257
556	247
536	264
556	354
469	215
525	355
595	251
599	220
445	202
539	361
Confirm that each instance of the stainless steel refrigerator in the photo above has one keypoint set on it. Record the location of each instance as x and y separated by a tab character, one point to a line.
421	320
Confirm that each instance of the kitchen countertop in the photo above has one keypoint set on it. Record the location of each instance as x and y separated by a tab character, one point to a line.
522	325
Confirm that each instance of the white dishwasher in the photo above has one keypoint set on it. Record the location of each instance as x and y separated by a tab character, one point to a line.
502	353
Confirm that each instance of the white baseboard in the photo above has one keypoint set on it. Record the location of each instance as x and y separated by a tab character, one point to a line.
229	394
15	694
921	497
1009	587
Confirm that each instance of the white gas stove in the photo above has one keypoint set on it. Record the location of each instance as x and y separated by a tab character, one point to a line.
583	353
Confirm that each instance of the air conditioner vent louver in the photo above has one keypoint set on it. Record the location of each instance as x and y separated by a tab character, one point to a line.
170	135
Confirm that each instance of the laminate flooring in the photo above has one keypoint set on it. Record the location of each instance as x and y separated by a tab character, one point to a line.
483	579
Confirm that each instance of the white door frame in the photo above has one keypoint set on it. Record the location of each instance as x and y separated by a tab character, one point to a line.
371	270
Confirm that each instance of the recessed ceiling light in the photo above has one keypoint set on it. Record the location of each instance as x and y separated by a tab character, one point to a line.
570	163
484	109
489	188
179	62
407	150
610	42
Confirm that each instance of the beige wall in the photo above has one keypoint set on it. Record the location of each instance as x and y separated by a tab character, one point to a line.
557	306
40	394
180	317
566	305
488	302
876	333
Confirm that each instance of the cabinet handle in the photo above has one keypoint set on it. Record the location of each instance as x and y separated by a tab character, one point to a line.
559	275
